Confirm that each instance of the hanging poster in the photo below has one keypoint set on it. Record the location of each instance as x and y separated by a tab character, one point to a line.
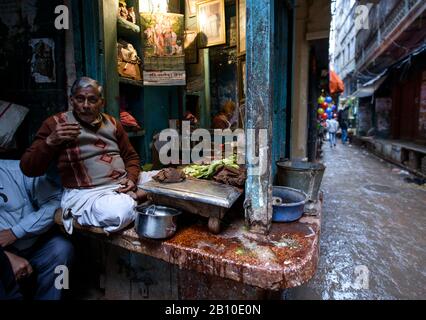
422	109
163	41
43	60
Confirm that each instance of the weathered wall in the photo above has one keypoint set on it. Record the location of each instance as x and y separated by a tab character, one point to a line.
378	13
21	23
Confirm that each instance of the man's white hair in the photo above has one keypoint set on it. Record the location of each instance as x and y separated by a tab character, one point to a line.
85	82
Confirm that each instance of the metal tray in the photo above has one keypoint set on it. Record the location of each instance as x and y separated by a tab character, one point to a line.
203	191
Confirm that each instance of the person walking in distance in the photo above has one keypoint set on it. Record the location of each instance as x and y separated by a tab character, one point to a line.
344	126
332	126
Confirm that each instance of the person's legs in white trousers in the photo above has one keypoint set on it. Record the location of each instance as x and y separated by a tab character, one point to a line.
332	139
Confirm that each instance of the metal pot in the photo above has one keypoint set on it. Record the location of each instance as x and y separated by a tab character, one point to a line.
305	176
156	222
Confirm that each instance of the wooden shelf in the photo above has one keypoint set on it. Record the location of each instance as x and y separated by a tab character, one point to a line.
134	134
131	82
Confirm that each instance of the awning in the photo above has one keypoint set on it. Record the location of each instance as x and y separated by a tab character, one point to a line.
336	84
368	89
364	92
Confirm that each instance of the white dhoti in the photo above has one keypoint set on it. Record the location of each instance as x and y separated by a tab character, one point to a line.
97	207
100	207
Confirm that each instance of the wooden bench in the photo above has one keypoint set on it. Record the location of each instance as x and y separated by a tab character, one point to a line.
285	258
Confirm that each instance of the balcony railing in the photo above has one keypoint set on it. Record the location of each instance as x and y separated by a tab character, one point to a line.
398	14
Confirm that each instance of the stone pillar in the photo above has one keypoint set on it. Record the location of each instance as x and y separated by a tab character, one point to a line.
299	122
259	113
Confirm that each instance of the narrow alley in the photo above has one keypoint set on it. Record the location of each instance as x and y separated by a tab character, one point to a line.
373	243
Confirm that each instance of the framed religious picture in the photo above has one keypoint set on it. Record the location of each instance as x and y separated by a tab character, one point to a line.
211	23
190	47
241	27
163	41
191	6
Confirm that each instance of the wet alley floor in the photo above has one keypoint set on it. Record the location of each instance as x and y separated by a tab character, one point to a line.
373	242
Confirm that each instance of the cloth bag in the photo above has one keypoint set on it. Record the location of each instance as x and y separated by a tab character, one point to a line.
128	121
128	61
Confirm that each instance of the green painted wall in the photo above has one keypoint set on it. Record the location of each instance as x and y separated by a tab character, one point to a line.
160	105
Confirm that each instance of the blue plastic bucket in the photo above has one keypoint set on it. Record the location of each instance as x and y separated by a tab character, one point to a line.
293	204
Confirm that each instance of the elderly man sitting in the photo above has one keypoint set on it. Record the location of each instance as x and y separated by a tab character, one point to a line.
98	166
29	250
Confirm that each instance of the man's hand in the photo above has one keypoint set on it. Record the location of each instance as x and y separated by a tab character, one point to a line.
63	132
127	185
20	266
7	238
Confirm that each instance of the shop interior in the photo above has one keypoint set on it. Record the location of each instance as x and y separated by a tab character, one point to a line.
177	60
